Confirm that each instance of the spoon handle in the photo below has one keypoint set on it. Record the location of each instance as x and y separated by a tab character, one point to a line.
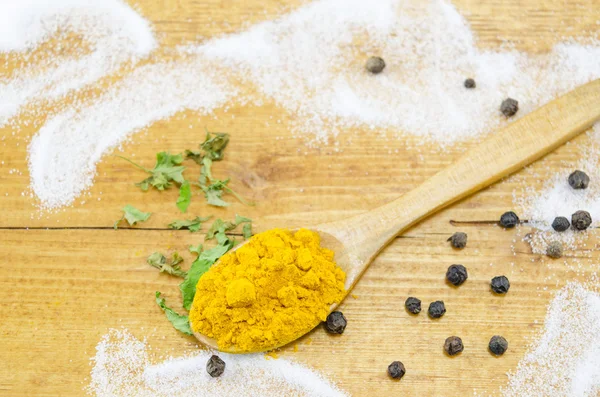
509	150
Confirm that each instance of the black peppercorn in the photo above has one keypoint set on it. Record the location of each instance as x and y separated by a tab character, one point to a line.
436	309
453	345
215	366
456	274
335	323
396	370
581	220
500	284
509	220
560	224
458	240
509	107
498	345
375	65
554	250
413	305
469	83
579	180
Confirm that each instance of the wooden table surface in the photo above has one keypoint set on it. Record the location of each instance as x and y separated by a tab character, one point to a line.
67	277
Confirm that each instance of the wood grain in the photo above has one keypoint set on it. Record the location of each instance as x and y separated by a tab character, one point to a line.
62	288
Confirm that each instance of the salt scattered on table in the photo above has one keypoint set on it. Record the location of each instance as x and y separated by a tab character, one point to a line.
123	367
565	360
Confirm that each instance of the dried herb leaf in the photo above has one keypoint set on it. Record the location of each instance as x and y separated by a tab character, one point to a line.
166	171
212	148
213	188
220	227
180	322
185	196
132	215
196	249
199	267
247	230
193	225
214	193
159	261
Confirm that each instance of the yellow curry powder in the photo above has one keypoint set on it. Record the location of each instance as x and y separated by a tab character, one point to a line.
268	291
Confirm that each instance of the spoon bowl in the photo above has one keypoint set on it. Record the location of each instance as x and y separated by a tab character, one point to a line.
356	241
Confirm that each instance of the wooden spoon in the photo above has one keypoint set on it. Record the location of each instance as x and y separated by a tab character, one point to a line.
357	241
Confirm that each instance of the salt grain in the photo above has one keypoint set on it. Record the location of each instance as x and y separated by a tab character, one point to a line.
123	367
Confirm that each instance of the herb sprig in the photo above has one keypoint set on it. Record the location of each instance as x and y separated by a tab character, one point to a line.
168	170
132	215
159	261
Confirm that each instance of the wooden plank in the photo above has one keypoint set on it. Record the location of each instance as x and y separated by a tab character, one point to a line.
61	290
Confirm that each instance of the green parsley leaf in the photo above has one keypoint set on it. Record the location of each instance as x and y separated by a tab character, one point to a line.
212	148
214	192
213	188
194	155
185	196
247	230
179	321
193	225
220	227
159	261
205	172
132	215
168	169
241	219
196	249
199	267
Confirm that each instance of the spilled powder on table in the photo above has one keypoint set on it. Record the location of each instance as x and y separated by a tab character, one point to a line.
565	360
557	198
311	63
64	153
123	367
111	33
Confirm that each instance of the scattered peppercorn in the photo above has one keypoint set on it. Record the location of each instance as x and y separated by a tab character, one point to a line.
375	65
560	224
453	345
335	323
500	284
458	240
498	345
581	220
554	250
456	274
215	366
413	305
579	180
509	220
396	370
509	107
469	83
436	309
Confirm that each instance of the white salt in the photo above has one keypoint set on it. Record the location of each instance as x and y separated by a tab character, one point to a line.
112	34
123	367
64	153
311	62
558	198
565	360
